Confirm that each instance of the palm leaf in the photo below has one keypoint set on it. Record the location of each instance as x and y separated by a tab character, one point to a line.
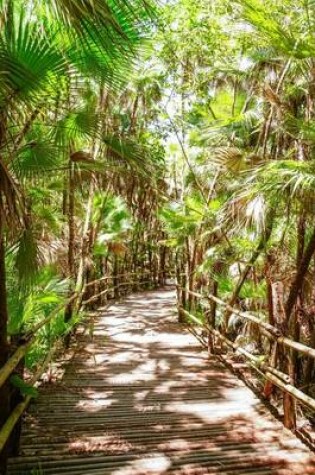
27	256
282	35
135	155
36	157
109	24
30	63
77	126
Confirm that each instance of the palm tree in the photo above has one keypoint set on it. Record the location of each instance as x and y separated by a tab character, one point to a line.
50	57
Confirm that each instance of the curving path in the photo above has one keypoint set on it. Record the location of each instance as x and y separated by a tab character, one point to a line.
140	397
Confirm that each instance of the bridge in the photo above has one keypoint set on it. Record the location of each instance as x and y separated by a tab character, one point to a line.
138	395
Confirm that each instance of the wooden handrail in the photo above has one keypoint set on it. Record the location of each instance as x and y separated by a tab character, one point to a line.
8	368
256	362
30	338
106	291
275	376
13	361
269	330
17	412
127	274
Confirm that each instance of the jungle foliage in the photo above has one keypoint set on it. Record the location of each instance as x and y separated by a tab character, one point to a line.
239	105
158	139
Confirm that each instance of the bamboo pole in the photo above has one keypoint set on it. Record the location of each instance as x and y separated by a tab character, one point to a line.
12	363
17	412
126	274
12	420
94	297
268	330
21	351
293	391
274	332
275	376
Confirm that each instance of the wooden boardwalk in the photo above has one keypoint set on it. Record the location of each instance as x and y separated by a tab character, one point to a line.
140	397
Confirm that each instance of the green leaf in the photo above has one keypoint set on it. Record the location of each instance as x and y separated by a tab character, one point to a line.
25	388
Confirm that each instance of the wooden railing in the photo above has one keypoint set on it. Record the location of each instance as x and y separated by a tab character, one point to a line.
268	369
128	284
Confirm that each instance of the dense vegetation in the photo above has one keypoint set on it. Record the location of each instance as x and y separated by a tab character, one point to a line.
79	167
141	139
240	83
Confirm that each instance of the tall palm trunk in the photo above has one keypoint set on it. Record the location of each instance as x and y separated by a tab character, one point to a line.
71	241
4	349
87	232
4	316
291	323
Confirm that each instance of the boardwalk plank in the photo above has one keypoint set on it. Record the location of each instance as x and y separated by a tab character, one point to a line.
140	397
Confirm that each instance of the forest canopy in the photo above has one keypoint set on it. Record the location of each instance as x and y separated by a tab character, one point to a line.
160	139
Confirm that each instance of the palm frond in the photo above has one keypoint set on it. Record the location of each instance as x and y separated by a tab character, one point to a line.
109	24
27	256
31	63
282	35
297	178
77	126
135	155
36	157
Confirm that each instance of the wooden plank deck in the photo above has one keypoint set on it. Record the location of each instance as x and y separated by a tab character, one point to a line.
140	397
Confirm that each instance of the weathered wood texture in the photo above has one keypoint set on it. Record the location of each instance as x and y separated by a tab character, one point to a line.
140	397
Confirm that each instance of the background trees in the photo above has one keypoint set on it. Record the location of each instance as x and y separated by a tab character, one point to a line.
76	173
199	159
240	109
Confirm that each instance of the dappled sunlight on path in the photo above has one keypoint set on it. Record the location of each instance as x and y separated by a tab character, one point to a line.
141	397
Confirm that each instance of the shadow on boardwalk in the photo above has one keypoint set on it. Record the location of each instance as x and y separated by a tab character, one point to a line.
140	397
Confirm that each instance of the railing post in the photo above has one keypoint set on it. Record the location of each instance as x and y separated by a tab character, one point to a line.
181	316
289	403
269	386
211	317
179	292
15	398
289	411
4	414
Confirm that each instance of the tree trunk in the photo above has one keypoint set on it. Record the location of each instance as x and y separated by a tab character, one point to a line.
261	246
71	244
212	317
15	398
298	281
4	348
268	274
291	326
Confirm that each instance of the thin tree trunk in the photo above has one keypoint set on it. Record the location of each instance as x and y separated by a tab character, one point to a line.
71	242
291	325
4	348
15	398
272	320
115	277
86	235
298	281
212	317
268	273
261	246
86	244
